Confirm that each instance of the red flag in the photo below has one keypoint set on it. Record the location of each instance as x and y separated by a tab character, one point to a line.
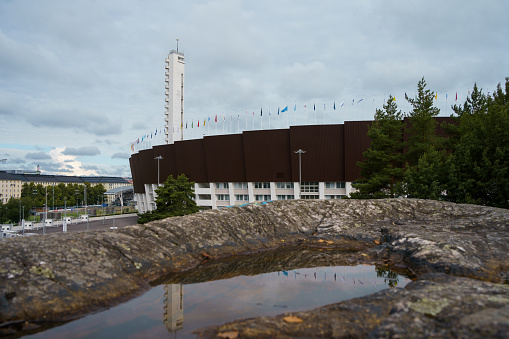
198	123
216	118
456	96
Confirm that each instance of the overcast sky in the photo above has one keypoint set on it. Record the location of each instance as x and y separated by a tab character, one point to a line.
81	80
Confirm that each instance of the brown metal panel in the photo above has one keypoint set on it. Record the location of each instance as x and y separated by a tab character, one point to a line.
224	155
324	157
136	173
190	160
167	165
149	172
356	142
267	155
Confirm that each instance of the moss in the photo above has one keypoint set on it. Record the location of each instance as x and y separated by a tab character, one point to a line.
429	306
42	271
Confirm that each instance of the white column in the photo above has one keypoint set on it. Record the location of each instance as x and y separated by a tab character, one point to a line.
321	190
348	188
273	195
296	189
250	191
231	193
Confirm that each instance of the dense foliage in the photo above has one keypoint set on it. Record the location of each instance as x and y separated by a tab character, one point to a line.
470	166
33	196
174	198
383	165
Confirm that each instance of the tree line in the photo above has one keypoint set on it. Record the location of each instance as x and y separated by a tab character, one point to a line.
410	158
34	196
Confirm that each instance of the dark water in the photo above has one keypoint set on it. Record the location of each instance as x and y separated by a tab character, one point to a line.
174	309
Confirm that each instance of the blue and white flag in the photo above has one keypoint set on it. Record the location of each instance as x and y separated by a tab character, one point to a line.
284	109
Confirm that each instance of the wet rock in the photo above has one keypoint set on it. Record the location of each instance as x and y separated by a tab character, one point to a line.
60	276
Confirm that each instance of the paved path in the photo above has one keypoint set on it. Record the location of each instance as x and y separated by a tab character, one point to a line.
95	223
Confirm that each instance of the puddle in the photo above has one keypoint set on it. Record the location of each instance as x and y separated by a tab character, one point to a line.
213	294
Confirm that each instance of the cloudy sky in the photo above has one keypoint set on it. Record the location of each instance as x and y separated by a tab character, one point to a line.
81	80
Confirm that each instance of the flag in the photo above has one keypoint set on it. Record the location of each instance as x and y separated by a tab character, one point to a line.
304	106
261	112
342	104
314	108
284	109
215	118
295	107
198	123
394	99
192	123
278	111
456	96
436	96
445	95
324	106
406	96
353	101
203	122
334	104
270	112
360	100
209	119
186	124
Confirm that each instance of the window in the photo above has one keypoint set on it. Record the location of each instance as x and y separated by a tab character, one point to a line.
262	184
241	185
262	197
309	197
340	184
284	185
285	197
223	197
221	185
242	197
310	187
334	196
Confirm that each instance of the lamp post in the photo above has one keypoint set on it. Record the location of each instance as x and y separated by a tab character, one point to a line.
45	211
300	152
158	158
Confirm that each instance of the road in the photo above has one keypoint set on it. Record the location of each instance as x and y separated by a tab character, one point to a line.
96	223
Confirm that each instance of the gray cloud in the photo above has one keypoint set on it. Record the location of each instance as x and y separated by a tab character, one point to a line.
121	155
37	156
82	151
77	71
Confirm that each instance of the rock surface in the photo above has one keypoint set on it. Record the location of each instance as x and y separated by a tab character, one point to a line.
460	254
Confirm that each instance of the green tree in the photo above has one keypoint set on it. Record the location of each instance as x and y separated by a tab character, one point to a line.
422	127
383	161
479	170
174	198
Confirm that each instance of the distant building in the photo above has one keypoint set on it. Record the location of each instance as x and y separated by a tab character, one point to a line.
11	184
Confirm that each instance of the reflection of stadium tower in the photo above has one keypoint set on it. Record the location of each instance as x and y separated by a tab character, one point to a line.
174	307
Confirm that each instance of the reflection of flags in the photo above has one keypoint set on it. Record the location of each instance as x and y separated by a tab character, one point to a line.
284	109
285	273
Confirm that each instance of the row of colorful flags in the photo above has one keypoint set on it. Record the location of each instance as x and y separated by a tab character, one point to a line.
160	133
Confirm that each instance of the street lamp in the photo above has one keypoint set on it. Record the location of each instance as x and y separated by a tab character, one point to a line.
300	152
158	158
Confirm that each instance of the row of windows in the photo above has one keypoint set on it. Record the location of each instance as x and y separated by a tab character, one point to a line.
339	184
262	184
334	196
285	197
263	197
308	187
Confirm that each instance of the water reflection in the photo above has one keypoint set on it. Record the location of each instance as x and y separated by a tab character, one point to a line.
264	284
268	294
173	307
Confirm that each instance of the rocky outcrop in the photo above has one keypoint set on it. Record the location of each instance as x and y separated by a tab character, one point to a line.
61	276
